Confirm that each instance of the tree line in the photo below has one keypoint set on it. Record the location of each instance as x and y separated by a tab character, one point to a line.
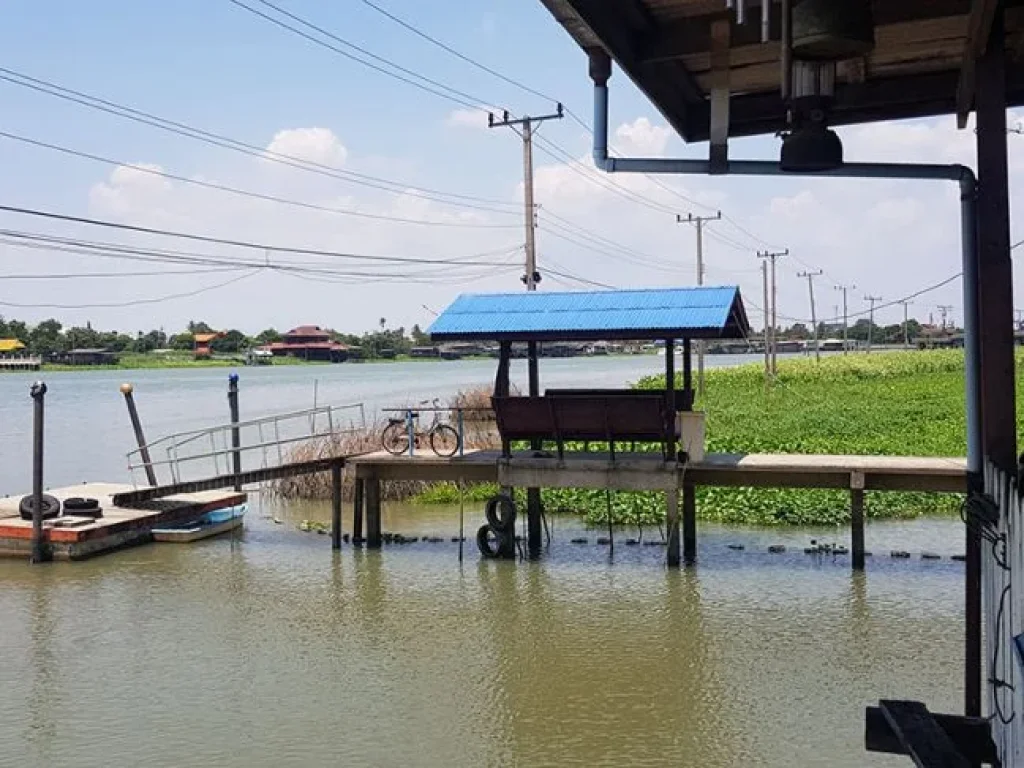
50	337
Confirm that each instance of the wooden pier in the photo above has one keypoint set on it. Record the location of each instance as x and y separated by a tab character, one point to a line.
74	538
650	472
20	363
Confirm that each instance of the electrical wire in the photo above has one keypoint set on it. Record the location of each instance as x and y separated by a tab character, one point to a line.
219	140
248	193
263	247
133	302
402	74
88	275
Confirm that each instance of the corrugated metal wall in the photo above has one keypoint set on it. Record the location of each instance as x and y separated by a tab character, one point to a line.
1002	592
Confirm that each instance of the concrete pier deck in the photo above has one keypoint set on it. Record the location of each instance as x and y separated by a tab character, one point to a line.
74	538
647	471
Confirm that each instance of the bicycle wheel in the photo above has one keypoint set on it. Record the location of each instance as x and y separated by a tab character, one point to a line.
444	440
395	438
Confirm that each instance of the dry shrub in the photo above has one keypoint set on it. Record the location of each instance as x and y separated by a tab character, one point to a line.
479	430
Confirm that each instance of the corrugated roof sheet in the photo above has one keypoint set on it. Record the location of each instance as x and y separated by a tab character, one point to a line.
11	345
633	314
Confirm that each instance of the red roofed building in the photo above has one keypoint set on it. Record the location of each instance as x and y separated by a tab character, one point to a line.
309	342
203	343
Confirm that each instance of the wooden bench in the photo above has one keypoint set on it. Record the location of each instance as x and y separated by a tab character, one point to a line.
638	418
683	398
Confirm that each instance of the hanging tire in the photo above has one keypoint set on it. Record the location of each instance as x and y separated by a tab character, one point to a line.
444	440
395	438
51	507
489	548
501	513
76	503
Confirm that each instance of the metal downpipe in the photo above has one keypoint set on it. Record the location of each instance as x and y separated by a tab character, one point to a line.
972	330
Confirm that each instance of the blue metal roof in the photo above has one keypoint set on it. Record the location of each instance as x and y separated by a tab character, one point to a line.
628	314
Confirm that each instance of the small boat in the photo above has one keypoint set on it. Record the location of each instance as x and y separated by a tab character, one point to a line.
212	523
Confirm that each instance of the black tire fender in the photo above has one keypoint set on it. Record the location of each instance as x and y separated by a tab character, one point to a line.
51	507
501	523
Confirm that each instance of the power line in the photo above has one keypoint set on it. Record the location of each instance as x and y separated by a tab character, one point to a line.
463	57
434	87
119	275
247	193
123	111
132	302
262	247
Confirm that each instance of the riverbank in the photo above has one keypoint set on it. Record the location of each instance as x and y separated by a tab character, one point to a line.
893	404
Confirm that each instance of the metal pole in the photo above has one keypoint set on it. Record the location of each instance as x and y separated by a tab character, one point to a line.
846	321
236	437
767	353
40	552
531	245
871	318
775	300
906	325
133	413
814	319
699	222
336	505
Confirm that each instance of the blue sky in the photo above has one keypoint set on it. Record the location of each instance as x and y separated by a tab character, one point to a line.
212	65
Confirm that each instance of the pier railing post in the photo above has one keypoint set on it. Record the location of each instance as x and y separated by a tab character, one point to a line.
689	523
133	413
40	552
672	523
357	511
857	519
373	512
236	438
336	505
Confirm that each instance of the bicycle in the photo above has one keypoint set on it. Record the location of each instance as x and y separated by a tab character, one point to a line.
443	437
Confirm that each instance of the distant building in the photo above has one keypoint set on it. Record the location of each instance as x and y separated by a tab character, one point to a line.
86	357
11	346
202	343
309	342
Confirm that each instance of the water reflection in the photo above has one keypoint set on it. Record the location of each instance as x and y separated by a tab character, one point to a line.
270	649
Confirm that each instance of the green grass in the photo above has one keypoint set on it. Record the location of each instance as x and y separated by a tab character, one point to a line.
893	403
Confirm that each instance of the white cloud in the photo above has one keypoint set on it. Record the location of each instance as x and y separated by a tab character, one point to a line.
641	137
467	118
315	145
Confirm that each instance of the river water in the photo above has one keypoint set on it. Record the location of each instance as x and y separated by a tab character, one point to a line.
267	649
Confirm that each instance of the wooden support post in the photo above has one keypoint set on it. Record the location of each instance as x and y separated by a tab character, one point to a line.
533	504
336	506
689	523
670	405
857	519
40	552
357	511
672	524
501	383
236	439
373	538
140	438
995	305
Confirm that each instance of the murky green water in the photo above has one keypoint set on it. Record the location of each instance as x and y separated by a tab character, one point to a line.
269	650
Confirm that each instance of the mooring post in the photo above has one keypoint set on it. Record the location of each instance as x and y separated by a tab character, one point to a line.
689	523
357	511
534	532
40	552
373	537
336	505
672	523
133	413
236	439
857	519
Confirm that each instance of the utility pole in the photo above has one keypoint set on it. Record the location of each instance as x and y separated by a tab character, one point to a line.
699	222
767	354
531	278
772	257
871	317
846	316
906	324
944	310
814	319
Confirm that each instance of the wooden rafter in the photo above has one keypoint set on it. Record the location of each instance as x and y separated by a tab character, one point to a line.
979	30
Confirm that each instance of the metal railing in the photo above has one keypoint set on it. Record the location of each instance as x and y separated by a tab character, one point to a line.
267	435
